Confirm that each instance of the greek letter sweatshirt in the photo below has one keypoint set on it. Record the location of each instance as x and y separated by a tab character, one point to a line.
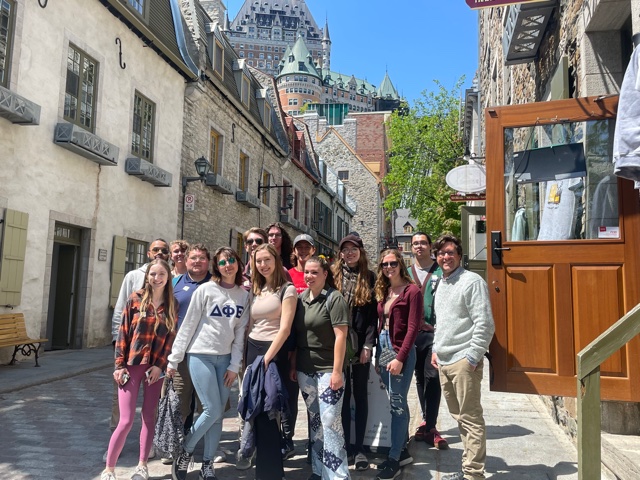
215	324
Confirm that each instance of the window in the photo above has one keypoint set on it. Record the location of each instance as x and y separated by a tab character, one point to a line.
343	175
144	112
262	56
267	116
266	194
250	54
296	204
7	8
80	90
218	59
408	229
285	191
243	172
307	211
136	255
245	90
215	151
137	6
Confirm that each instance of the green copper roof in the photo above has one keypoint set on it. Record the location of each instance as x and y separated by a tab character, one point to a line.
298	60
387	90
342	81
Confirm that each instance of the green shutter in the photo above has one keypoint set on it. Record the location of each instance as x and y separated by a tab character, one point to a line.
118	258
14	246
560	80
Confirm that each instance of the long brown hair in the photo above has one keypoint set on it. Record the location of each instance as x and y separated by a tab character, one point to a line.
382	282
216	276
362	293
258	281
170	310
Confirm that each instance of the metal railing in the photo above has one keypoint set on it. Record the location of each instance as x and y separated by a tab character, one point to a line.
588	367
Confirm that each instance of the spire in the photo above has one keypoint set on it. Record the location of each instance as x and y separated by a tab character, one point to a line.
387	90
226	26
326	37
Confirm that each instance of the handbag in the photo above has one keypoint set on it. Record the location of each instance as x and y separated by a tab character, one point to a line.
169	431
386	356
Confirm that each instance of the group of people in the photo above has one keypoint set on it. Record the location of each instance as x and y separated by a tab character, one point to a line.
289	322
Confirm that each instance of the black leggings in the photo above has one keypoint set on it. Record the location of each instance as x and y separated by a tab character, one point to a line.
427	380
267	431
359	375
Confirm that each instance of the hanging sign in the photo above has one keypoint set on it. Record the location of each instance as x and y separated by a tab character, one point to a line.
471	178
476	4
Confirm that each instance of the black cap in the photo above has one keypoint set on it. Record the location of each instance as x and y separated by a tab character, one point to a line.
353	238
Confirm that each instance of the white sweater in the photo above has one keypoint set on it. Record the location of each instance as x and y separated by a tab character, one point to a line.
215	324
464	323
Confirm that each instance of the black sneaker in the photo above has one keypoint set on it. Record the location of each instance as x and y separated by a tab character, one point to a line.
206	471
391	471
180	466
405	458
382	465
287	449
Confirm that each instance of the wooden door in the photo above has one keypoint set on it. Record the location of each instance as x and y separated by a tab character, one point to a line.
569	234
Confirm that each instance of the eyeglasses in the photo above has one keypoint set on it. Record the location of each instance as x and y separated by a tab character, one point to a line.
348	251
276	235
418	244
257	241
447	254
198	258
228	261
163	250
389	264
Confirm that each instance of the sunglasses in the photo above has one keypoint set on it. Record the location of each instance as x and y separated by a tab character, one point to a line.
257	241
161	250
228	261
389	264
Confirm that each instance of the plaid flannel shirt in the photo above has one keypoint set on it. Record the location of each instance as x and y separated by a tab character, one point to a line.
137	343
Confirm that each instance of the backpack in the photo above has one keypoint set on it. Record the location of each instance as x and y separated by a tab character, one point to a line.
352	336
290	342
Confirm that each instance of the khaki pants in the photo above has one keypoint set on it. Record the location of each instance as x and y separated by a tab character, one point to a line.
461	388
184	388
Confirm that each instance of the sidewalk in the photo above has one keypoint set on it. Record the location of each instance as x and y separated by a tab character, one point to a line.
523	443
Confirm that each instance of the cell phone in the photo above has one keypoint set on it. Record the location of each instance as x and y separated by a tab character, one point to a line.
125	378
159	378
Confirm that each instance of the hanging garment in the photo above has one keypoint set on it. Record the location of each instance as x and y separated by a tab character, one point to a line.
559	215
520	230
626	140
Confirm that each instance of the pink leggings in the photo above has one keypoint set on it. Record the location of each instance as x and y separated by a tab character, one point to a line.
127	397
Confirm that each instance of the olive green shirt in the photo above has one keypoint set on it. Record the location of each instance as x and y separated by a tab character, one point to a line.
315	337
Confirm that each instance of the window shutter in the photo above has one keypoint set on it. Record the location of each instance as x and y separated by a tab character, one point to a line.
118	258
14	245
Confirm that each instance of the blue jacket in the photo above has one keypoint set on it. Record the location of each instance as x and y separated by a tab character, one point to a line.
262	391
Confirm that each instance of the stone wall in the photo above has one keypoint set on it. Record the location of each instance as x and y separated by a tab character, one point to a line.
362	186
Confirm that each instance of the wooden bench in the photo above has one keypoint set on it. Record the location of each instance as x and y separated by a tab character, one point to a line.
13	333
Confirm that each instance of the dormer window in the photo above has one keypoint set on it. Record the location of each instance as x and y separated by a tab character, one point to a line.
245	90
218	59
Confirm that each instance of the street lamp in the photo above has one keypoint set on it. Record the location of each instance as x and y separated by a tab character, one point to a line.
289	197
202	168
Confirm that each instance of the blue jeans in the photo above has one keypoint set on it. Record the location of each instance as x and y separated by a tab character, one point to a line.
207	373
398	388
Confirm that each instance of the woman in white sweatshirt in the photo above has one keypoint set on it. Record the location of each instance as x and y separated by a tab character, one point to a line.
212	333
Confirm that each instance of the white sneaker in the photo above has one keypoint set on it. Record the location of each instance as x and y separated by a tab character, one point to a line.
106	475
361	462
243	463
219	457
141	473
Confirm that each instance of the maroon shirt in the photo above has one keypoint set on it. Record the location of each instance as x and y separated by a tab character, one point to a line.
405	320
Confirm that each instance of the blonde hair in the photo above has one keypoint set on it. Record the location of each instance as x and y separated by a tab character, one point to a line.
170	310
258	281
382	282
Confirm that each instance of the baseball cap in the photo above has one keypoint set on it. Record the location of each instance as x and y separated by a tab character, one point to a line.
304	238
353	238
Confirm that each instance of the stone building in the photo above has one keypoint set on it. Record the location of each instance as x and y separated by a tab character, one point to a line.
553	50
91	155
232	118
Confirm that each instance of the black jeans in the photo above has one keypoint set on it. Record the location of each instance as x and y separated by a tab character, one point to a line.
288	420
359	375
427	380
267	431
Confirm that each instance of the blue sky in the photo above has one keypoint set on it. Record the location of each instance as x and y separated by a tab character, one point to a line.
416	41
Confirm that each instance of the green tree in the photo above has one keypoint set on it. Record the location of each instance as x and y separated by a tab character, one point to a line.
426	142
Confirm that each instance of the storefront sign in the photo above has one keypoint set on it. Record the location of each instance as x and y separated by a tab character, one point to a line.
471	197
475	4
